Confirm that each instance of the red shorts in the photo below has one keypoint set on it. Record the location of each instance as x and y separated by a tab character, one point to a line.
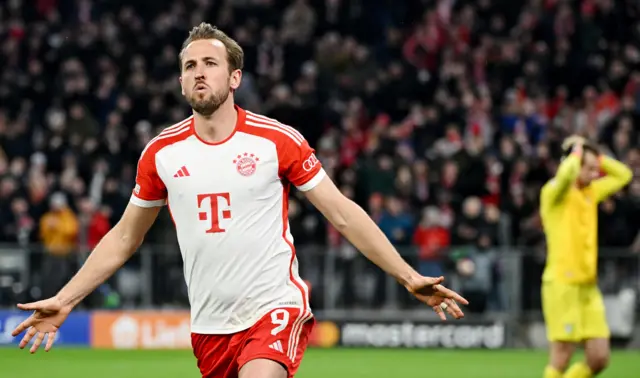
280	336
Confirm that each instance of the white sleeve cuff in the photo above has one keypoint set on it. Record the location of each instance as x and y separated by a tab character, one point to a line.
315	180
144	203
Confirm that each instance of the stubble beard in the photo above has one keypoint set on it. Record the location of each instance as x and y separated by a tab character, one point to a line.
209	104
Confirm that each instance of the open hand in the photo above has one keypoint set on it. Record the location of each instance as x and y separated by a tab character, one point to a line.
48	315
430	291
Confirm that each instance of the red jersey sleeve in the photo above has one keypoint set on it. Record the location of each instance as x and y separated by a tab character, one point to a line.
299	164
149	191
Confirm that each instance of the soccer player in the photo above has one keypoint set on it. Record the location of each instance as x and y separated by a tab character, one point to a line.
573	308
224	173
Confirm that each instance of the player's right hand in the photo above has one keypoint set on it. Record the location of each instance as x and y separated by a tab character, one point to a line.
48	315
573	141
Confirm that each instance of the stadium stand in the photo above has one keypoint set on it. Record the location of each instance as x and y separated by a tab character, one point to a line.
443	118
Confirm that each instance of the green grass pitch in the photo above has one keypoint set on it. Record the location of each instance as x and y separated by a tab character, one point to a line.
334	363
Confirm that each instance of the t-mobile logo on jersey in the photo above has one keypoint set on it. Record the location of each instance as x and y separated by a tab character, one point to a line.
214	213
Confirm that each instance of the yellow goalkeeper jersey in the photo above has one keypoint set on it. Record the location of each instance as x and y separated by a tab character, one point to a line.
570	219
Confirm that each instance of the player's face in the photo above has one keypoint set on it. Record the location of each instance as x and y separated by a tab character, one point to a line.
206	81
590	169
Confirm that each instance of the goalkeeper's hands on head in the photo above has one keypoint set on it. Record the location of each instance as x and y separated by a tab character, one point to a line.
577	143
572	143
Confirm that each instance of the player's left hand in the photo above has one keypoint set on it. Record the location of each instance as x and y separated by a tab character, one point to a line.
430	291
572	141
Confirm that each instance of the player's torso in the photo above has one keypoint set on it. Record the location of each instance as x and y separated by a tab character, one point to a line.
228	205
220	186
572	237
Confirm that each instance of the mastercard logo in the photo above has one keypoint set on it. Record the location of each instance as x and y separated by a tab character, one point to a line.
325	335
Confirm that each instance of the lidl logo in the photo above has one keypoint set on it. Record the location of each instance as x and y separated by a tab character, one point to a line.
141	330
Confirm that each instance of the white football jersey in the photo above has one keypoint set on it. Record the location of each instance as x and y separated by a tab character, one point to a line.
229	203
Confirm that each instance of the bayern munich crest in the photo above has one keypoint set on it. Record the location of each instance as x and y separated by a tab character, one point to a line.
246	163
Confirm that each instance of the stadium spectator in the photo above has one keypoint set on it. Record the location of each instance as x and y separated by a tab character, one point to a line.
94	222
432	238
396	222
469	223
19	224
59	233
429	101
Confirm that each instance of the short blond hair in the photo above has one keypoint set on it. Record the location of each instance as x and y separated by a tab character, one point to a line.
235	54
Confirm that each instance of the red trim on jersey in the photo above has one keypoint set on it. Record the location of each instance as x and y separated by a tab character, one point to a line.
151	187
285	212
239	123
296	161
257	120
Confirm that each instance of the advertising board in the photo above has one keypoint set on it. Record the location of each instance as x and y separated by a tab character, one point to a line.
389	334
74	331
170	330
140	330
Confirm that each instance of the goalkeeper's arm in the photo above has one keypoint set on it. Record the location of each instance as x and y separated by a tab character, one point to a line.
618	176
568	171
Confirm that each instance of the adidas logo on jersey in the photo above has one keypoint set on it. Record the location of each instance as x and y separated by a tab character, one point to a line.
182	172
277	346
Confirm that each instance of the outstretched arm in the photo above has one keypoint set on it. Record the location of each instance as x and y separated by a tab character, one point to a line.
148	197
112	252
299	165
352	222
618	176
117	246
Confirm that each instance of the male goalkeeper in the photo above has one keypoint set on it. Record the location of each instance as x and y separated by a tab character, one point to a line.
572	303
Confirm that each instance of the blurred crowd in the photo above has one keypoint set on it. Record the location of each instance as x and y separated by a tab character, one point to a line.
442	118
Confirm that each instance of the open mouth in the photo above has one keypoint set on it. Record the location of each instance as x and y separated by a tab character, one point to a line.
200	87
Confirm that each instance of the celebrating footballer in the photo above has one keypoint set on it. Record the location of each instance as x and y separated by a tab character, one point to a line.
224	173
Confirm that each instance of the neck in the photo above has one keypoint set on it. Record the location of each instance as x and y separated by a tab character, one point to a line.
217	126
